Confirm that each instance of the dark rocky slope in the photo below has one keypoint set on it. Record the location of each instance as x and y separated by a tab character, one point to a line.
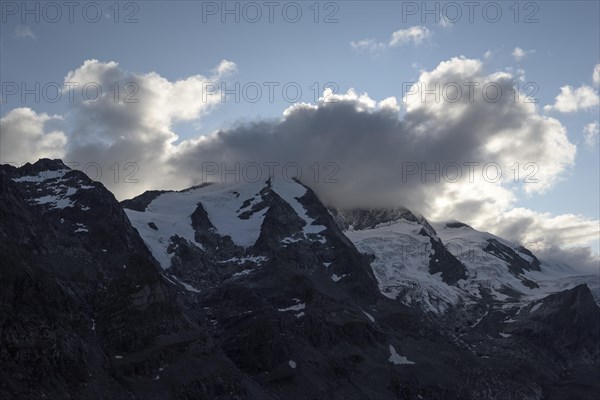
86	310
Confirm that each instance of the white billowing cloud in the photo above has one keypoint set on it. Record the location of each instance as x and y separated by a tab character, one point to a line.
415	35
364	148
544	229
572	100
225	68
26	135
530	139
139	132
362	102
132	126
518	53
389	103
590	133
24	32
596	75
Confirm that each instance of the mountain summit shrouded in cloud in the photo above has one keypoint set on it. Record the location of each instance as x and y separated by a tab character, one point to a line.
378	153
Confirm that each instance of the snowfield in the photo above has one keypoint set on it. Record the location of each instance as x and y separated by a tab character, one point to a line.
223	202
397	359
402	258
402	252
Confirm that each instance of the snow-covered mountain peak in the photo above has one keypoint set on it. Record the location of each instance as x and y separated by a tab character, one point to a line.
51	185
231	212
242	225
442	265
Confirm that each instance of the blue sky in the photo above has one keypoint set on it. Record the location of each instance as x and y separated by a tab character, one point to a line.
177	39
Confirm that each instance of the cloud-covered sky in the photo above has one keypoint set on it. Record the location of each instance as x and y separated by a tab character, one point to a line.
458	137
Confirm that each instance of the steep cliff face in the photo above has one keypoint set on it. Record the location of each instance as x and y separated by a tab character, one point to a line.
258	291
80	289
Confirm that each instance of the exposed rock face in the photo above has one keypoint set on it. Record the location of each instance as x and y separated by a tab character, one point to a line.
141	202
84	312
444	262
517	265
257	291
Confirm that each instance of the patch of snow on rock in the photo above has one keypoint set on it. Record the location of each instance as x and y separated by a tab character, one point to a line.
397	359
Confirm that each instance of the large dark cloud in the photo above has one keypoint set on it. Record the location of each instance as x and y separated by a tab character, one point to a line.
373	146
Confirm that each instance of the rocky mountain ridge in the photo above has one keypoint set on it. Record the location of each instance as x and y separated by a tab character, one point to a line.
258	291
